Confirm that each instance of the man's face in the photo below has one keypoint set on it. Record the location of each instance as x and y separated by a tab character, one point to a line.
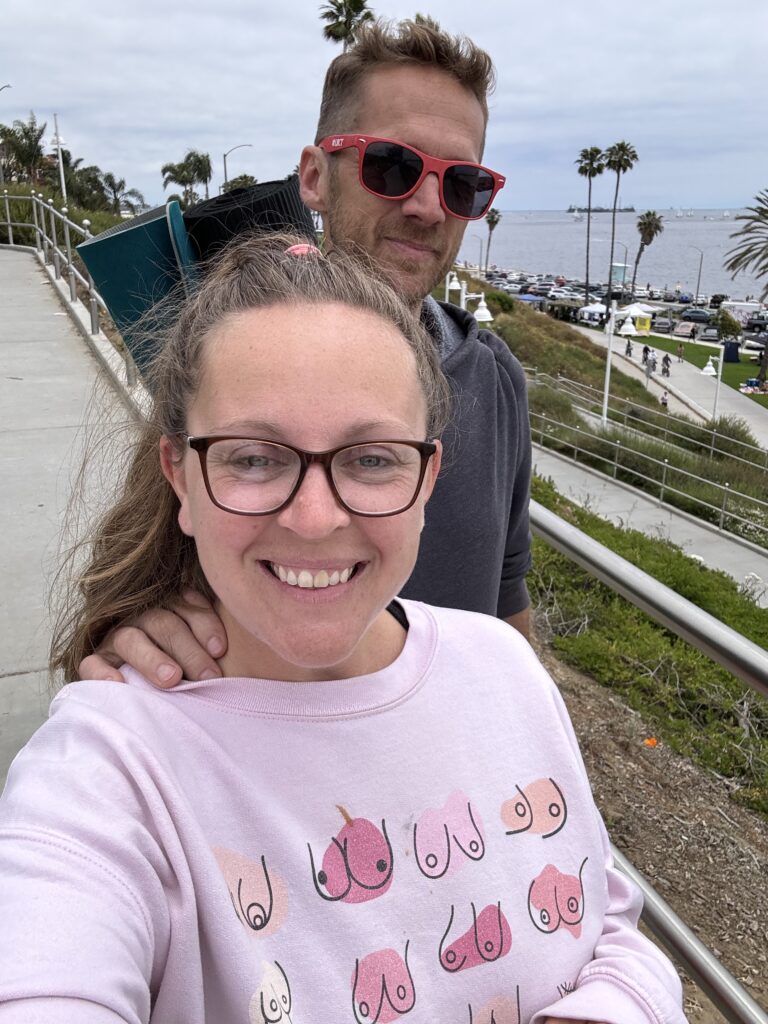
413	240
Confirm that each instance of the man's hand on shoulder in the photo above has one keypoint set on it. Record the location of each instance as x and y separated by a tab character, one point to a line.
165	645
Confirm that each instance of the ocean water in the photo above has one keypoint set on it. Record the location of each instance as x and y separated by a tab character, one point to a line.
553	242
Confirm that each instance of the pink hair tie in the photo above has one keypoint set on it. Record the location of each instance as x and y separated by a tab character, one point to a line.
303	249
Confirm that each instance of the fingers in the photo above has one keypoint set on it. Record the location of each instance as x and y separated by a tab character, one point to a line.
96	667
205	624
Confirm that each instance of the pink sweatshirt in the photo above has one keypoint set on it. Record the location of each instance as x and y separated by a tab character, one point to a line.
418	843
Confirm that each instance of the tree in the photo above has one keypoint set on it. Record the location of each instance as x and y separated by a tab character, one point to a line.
119	196
590	164
751	251
650	225
241	181
201	168
728	326
194	169
343	18
619	158
22	144
492	218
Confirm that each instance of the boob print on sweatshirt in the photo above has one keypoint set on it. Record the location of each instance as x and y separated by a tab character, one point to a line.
488	939
540	808
382	987
356	865
444	838
556	900
501	1010
258	894
271	1002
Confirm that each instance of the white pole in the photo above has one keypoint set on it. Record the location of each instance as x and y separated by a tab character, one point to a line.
607	384
717	386
463	295
61	162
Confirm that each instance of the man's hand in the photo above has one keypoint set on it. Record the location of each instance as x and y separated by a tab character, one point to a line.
521	622
164	645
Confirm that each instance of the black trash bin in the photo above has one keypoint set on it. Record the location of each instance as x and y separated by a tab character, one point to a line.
730	351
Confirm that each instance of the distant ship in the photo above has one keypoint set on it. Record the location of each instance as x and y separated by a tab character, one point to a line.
600	209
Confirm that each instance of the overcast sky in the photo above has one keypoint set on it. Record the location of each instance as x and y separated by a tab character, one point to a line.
138	85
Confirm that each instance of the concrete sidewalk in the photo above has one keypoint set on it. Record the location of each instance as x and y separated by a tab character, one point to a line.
694	390
631	509
47	380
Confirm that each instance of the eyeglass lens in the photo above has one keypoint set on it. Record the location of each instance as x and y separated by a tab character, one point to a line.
258	476
391	170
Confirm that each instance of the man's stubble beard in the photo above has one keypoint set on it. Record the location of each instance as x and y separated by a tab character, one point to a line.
339	231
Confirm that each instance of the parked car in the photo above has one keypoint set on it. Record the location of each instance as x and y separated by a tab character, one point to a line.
756	325
684	329
662	325
757	341
708	334
699	316
717	299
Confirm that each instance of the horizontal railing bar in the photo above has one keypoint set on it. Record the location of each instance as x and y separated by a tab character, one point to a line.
733	1001
734	652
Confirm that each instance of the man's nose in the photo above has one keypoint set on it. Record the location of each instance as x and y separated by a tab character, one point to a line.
424	204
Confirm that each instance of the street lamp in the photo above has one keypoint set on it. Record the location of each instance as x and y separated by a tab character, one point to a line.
452	284
698	279
242	145
709	371
607	384
6	86
480	257
483	315
57	142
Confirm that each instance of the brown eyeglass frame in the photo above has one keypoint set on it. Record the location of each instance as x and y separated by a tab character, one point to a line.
201	444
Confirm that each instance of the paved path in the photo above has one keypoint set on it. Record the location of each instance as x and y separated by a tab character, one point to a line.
693	389
47	375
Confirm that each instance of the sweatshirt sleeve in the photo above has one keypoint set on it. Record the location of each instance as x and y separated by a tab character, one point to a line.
513	592
629	980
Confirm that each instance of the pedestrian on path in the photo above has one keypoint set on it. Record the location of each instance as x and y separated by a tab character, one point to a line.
652	360
628	348
680	352
666	363
646	351
664	399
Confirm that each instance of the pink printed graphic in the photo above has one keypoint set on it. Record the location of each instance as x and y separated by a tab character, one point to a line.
271	1002
258	895
382	987
556	900
489	939
500	1010
440	831
357	865
540	808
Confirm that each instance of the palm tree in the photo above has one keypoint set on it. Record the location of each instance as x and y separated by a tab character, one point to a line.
650	225
183	174
24	152
201	167
343	18
121	197
751	251
492	218
619	158
589	165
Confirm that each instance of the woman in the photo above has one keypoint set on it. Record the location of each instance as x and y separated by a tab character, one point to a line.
380	809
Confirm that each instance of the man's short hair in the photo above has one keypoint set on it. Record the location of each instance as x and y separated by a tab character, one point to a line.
381	43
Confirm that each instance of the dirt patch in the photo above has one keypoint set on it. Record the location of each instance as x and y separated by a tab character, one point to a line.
704	854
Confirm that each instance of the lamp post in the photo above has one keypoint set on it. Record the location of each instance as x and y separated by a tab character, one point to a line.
6	86
483	315
452	284
607	384
480	256
57	141
709	371
698	279
242	145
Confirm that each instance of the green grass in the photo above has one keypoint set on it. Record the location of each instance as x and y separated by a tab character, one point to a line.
693	705
733	373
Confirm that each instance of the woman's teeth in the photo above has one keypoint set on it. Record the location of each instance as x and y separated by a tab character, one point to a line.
311	581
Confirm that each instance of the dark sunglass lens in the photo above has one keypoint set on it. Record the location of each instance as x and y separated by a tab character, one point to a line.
467	190
390	170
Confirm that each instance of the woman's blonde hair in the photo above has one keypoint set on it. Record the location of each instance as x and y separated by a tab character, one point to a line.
136	557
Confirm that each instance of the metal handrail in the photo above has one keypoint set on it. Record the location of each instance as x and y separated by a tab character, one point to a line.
739	655
727	492
753	453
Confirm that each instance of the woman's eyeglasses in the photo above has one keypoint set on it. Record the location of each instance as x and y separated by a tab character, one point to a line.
390	170
253	477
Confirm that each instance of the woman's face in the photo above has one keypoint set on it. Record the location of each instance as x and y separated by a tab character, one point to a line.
316	377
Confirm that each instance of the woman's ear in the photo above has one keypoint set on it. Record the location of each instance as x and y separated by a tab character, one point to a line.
172	465
433	468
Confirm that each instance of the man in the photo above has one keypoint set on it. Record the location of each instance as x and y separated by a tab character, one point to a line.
394	172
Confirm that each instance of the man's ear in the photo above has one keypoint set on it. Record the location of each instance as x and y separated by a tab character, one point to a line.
314	175
172	465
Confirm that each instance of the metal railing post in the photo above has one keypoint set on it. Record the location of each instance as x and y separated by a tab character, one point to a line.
8	216
54	242
725	501
616	451
38	243
93	304
70	267
663	481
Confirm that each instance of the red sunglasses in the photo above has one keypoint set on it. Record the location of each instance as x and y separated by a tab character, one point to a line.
390	170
